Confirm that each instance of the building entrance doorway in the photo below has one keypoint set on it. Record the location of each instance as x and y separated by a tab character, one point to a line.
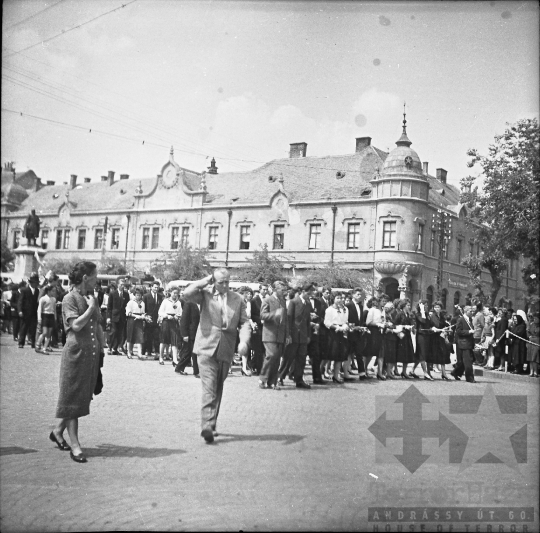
391	288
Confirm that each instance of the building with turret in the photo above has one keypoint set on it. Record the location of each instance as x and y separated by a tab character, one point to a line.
370	210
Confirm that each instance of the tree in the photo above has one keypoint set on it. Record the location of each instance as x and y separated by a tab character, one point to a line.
504	212
62	266
336	276
184	263
263	267
112	265
8	257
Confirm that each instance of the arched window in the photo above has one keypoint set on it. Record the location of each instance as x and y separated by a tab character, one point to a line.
391	287
444	297
457	297
429	296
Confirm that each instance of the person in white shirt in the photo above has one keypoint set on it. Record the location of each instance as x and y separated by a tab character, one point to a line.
46	318
135	322
169	315
336	320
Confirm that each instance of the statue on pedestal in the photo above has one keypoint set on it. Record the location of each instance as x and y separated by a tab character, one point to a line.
31	228
403	283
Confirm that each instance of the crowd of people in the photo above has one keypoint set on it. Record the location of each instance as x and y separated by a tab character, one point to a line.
344	334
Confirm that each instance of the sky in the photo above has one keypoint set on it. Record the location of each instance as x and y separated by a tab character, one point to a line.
103	87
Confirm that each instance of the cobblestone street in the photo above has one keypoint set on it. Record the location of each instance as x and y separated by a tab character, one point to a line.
284	460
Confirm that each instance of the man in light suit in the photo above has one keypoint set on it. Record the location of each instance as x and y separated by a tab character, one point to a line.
464	346
299	316
275	334
222	312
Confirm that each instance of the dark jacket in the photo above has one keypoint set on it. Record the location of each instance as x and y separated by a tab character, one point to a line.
28	303
299	320
150	306
116	306
464	339
275	329
189	321
256	304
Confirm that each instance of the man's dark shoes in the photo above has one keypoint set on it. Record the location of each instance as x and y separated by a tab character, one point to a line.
208	435
81	458
63	445
454	376
319	381
280	382
362	378
303	385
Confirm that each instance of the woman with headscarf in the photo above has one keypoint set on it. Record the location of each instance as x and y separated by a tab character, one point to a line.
518	346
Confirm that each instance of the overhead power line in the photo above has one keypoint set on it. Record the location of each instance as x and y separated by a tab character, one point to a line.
32	16
63	32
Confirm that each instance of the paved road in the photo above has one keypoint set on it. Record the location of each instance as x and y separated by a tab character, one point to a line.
285	460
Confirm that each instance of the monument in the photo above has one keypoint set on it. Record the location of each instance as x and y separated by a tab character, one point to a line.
28	257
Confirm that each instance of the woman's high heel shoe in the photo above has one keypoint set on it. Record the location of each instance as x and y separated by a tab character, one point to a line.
248	373
336	380
405	376
427	377
161	362
382	378
414	376
446	378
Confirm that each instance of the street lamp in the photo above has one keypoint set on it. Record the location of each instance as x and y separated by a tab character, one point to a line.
441	222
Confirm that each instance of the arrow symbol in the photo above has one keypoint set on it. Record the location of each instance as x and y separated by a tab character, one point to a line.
412	429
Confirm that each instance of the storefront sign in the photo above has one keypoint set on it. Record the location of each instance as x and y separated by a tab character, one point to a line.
457	284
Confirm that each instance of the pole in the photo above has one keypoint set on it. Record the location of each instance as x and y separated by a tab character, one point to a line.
128	216
229	212
334	211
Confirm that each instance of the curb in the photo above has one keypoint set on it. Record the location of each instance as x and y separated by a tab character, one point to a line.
505	376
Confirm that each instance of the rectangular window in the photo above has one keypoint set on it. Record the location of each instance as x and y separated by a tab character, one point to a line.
185	236
389	234
213	237
98	238
16	239
245	237
279	237
66	239
45	239
459	250
81	241
155	238
146	238
175	238
432	243
115	238
446	248
315	236
59	234
353	236
420	243
405	188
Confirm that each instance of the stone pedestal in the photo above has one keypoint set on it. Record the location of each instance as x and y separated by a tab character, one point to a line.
25	260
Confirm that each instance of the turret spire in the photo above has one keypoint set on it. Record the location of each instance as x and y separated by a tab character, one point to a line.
404	140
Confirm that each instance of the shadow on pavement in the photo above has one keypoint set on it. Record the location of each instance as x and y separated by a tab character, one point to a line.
285	439
15	450
113	450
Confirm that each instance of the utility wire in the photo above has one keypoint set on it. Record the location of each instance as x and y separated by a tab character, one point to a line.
63	32
32	16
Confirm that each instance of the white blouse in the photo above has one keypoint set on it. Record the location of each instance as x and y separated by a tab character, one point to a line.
132	308
374	317
167	309
335	317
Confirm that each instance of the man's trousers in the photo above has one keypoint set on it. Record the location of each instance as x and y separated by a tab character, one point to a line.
269	372
213	374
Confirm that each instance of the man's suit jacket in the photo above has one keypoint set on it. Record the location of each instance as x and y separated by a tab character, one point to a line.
299	320
28	303
116	306
189	321
464	339
150	306
275	329
211	336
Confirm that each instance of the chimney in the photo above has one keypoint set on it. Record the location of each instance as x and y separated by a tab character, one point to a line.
110	177
73	181
298	150
124	176
441	175
425	167
103	178
50	182
362	142
87	180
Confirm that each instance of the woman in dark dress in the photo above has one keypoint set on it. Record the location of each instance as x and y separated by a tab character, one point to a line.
389	341
518	346
79	367
424	333
500	327
439	346
405	348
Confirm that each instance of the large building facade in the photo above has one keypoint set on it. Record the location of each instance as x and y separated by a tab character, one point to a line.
370	210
